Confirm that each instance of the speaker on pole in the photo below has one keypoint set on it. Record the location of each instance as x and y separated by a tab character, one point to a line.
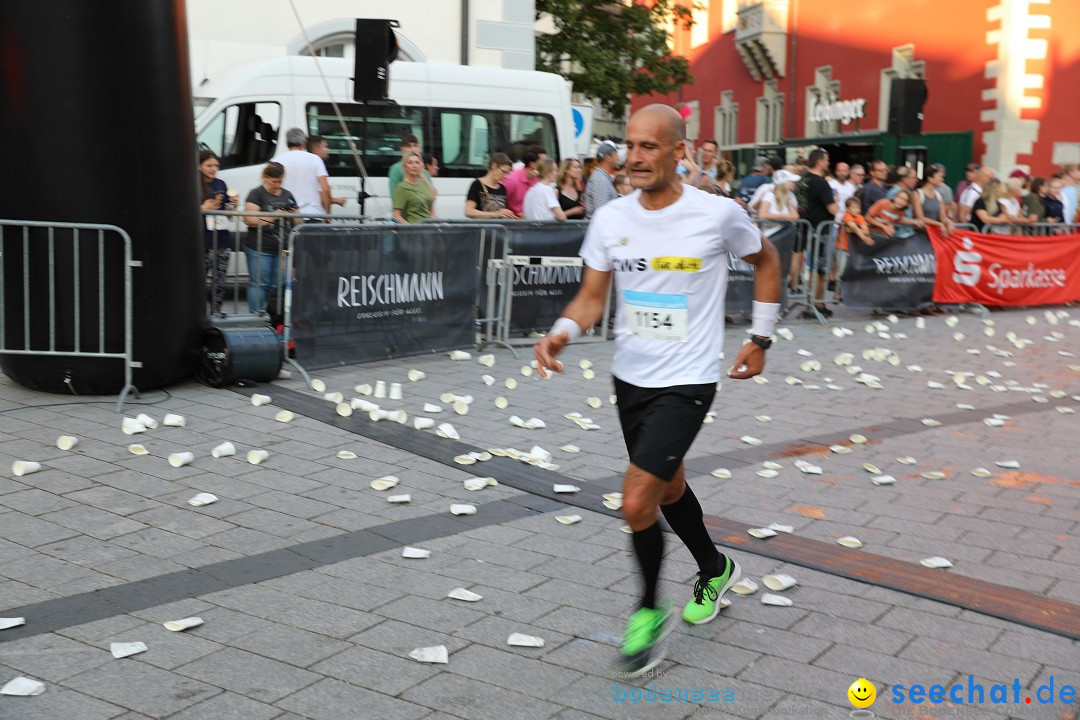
906	99
376	48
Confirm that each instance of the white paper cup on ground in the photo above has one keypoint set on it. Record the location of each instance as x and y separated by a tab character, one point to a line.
258	399
6	623
66	442
463	509
257	457
184	624
436	654
364	389
181	459
777	600
746	586
378	414
24	467
463	594
486	360
344	409
318	386
131	426
225	449
395	391
284	416
459	355
363	405
778	583
173	420
127	649
147	421
422	423
568	519
447	430
334	397
521	640
137	449
415	553
380	388
417	375
398	416
23	687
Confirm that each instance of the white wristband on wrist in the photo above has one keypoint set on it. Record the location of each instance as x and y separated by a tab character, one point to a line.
763	318
568	326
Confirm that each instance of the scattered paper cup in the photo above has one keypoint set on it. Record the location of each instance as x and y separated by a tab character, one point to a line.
344	409
185	624
334	397
395	391
777	600
398	416
138	450
746	586
6	623
23	687
422	423
778	583
363	405
131	426
257	457
417	375
502	403
284	416
364	389
568	519
486	360
24	467
415	553
384	483
258	400
318	386
565	488
172	420
345	455
378	414
761	533
520	640
66	442
463	509
181	459
510	383
127	649
935	562
463	594
459	355
849	542
447	430
225	449
399	499
380	388
436	654
147	421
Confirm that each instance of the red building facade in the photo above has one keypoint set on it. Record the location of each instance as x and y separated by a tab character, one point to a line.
1002	78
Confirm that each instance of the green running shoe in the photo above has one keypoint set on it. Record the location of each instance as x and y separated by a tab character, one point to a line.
705	604
642	649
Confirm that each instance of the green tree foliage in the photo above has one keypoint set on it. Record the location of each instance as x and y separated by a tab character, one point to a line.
610	49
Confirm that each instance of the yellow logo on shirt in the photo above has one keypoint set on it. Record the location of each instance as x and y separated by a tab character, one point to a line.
677	264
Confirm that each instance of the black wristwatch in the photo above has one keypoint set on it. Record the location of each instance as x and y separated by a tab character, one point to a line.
762	342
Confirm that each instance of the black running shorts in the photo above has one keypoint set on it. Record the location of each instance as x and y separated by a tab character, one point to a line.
660	424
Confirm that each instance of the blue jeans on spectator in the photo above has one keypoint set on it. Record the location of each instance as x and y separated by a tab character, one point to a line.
262	277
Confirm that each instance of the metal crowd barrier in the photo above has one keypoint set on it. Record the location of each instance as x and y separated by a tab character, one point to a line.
797	289
226	260
62	344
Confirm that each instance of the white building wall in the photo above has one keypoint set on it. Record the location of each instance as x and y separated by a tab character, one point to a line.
226	33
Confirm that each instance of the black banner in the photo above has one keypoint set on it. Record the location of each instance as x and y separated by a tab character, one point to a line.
378	292
740	287
542	292
893	274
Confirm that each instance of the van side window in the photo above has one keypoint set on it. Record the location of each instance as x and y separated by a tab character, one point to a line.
243	134
465	139
385	125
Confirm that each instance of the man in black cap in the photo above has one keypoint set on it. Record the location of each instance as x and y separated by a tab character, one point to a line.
601	187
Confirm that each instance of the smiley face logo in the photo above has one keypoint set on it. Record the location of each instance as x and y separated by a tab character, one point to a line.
862	693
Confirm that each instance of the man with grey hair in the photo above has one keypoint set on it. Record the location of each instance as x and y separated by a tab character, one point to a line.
601	186
305	174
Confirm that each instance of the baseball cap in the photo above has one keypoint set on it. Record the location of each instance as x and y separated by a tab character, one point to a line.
775	162
759	163
783	176
605	148
1019	173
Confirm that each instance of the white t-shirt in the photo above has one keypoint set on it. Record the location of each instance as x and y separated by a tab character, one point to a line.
970	195
539	202
755	199
843	194
671	270
302	173
769	227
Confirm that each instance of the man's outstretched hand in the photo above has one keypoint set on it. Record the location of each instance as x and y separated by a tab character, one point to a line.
749	362
547	350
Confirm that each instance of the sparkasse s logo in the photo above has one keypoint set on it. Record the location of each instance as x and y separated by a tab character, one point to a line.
967	265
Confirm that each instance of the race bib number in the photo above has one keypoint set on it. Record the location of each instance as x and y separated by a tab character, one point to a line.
656	316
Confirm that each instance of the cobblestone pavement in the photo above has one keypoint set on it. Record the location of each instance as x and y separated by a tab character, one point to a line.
311	611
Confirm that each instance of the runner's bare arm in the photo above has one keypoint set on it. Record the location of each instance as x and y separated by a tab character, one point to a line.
750	360
585	309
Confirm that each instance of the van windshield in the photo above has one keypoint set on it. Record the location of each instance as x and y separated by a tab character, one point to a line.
201	103
461	139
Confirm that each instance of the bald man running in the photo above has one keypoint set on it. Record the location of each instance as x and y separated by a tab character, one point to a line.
667	246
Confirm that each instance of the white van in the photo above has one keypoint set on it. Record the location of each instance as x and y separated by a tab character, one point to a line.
462	114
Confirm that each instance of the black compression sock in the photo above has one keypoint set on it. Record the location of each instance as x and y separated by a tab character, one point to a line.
649	548
685	518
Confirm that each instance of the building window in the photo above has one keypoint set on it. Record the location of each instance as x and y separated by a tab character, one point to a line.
769	122
726	125
699	31
729	15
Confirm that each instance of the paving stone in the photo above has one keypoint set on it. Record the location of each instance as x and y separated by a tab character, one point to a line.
57	702
325	699
93	522
961	658
930	625
475	699
250	675
290	645
86	551
509	670
140	687
850	632
228	706
33	501
375	670
31	531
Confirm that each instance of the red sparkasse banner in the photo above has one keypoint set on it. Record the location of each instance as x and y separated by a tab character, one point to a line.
1006	269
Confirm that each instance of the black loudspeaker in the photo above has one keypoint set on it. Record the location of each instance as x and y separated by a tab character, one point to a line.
376	48
231	354
906	100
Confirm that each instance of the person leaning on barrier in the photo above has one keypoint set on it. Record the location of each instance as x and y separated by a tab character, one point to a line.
217	240
991	211
1034	202
1016	191
568	183
886	216
413	198
265	235
487	195
518	181
929	200
1052	200
541	203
